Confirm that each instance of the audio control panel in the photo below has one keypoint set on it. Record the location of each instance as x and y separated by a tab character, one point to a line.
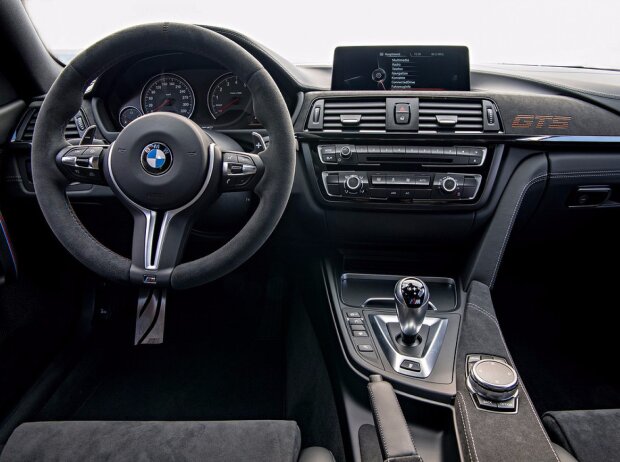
357	154
401	186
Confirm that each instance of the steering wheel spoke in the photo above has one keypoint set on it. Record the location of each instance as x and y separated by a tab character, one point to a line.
241	171
158	244
82	164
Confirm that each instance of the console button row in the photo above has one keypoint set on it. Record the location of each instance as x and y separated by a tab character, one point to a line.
360	337
409	179
353	154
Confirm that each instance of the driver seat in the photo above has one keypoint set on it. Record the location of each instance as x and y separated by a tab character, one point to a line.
258	441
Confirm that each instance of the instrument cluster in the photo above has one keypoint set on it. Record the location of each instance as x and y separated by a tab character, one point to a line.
209	95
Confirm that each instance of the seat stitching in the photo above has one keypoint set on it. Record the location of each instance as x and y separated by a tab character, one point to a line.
459	408
481	309
379	425
521	382
468	427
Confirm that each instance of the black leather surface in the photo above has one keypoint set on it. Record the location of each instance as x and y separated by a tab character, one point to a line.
492	436
396	441
590	436
232	441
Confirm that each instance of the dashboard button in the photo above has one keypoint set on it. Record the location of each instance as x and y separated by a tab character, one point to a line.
423	180
386	149
450	151
327	149
407	194
378	193
361	149
437	150
398	149
411	366
402	113
229	157
422	193
475	160
464	151
406	180
333	189
329	158
247	160
426	150
393	193
378	179
374	149
392	179
332	178
412	149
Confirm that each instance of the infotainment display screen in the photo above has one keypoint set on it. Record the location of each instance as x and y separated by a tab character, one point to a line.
401	68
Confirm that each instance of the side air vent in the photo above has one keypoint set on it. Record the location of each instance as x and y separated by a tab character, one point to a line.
354	115
25	130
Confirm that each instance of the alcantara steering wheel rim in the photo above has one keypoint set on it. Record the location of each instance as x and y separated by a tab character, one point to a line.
195	152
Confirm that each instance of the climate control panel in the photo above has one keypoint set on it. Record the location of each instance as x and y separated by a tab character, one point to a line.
401	186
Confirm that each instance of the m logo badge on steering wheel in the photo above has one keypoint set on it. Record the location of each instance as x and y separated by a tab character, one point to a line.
156	158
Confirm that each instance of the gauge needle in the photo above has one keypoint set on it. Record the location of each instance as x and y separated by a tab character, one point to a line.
232	102
166	102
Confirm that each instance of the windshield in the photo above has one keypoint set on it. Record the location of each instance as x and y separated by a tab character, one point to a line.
549	32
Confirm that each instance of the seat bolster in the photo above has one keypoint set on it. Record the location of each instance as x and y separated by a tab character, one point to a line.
563	454
589	435
233	441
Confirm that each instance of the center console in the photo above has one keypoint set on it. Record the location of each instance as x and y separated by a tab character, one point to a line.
401	172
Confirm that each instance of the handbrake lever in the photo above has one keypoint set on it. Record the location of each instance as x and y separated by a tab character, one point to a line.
393	431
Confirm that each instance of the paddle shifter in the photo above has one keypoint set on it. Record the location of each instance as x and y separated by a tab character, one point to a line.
412	298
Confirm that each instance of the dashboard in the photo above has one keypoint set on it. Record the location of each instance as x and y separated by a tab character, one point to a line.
420	162
201	90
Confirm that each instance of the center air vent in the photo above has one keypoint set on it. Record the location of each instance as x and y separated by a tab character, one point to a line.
427	115
451	116
354	115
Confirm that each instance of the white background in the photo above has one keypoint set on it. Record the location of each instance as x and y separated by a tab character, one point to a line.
557	32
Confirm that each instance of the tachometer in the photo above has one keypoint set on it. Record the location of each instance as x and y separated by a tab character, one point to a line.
228	94
168	93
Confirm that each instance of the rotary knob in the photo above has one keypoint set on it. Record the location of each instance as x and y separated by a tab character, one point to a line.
353	183
448	184
493	380
345	152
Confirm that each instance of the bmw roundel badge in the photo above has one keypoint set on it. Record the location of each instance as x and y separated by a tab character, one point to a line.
156	158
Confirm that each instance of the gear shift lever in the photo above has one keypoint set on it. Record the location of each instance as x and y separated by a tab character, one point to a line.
412	297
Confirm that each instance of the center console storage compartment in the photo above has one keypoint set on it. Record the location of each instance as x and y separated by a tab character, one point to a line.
377	291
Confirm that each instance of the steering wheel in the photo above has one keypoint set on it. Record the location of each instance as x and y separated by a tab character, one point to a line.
163	167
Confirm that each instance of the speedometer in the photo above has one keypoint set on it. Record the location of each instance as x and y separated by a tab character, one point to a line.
168	93
227	95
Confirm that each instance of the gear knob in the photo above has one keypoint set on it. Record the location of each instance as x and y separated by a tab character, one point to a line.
412	297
